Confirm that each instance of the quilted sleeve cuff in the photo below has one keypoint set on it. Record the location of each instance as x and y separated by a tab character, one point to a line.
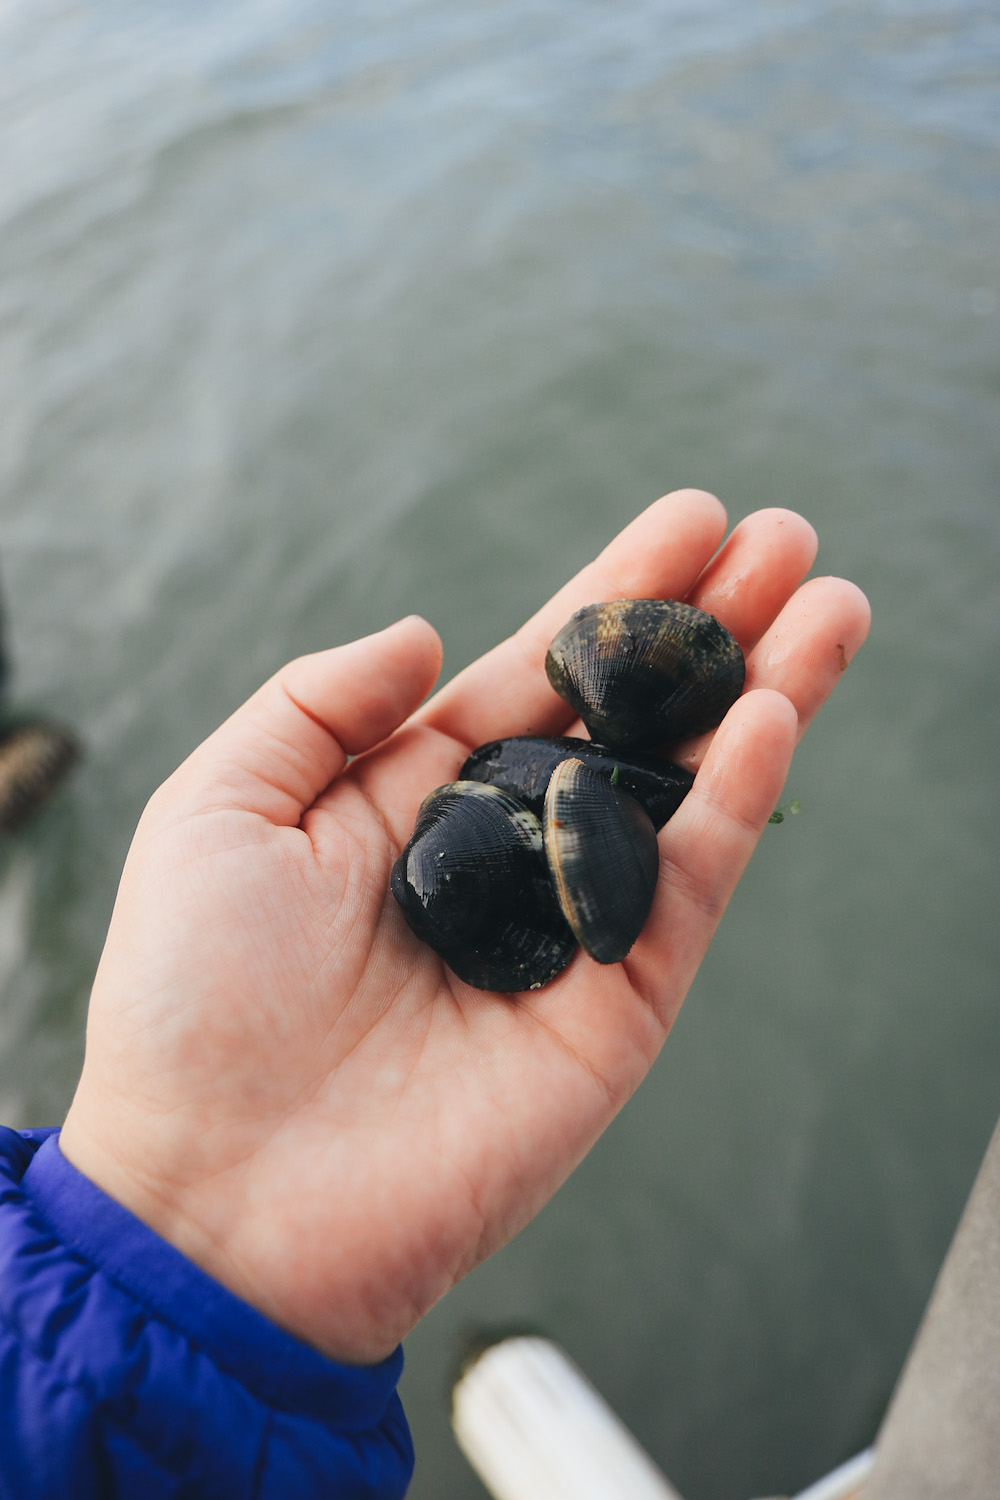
126	1369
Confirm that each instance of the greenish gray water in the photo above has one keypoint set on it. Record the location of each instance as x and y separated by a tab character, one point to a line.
314	316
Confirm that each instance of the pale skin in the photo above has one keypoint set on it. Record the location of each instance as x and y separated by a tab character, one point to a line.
283	1082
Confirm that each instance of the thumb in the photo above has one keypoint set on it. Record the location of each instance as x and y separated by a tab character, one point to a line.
283	747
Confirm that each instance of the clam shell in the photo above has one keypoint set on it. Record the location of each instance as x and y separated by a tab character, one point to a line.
473	884
603	858
642	671
523	764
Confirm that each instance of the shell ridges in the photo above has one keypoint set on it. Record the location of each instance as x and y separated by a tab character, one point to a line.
544	843
640	672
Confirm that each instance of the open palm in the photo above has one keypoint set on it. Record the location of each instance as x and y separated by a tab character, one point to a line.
280	1079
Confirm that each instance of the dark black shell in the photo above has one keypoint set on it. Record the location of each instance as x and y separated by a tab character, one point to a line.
603	858
474	885
503	904
523	764
640	672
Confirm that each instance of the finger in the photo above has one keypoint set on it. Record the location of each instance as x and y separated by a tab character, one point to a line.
707	843
802	654
506	692
755	571
808	647
276	754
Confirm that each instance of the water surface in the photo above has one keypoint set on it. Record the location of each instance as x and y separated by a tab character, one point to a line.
313	316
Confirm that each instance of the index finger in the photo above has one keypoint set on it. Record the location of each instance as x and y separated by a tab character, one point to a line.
506	691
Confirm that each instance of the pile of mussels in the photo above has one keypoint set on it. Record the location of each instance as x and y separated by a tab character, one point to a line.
543	844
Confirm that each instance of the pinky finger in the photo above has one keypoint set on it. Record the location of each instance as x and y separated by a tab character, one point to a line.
810	644
707	843
802	654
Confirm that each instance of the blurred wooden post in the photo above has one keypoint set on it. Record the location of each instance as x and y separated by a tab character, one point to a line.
940	1439
534	1428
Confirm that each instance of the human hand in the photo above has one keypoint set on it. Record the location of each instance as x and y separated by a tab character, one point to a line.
280	1079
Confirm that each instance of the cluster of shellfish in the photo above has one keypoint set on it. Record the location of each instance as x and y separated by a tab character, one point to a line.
542	845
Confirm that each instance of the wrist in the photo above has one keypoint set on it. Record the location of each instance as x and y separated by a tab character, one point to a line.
212	1389
208	1224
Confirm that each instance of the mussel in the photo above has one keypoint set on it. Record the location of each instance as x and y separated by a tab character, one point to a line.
603	858
546	843
474	885
643	671
523	766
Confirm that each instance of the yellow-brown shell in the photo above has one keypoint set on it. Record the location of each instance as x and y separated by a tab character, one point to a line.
640	672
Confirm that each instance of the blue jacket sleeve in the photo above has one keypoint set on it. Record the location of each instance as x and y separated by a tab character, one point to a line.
126	1373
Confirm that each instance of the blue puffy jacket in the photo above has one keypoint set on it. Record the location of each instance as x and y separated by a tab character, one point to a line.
126	1373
